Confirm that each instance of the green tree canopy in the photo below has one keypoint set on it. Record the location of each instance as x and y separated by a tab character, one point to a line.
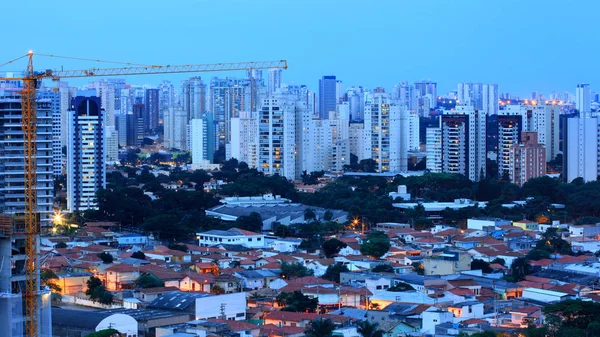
520	268
149	281
294	270
333	272
320	328
376	244
297	302
367	328
484	266
106	258
333	246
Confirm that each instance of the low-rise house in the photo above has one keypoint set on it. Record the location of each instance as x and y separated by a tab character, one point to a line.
150	294
468	309
547	296
256	279
526	225
228	283
233	236
120	276
433	317
285	245
132	240
197	282
522	317
73	283
97	249
205	268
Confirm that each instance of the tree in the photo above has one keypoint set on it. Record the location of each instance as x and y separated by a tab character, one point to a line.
149	281
217	290
179	247
332	247
520	268
61	245
418	267
484	266
92	284
294	270
47	277
283	231
376	244
106	298
383	268
328	216
499	261
320	328
401	286
138	255
105	257
537	254
333	272
368	329
309	215
105	333
252	222
296	302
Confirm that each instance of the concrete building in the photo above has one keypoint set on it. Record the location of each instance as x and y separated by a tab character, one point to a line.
233	236
327	95
11	154
356	139
541	118
138	112
106	91
48	94
527	159
193	100
328	147
175	123
244	139
274	81
202	139
581	147
277	136
85	152
482	97
111	135
426	92
414	142
356	101
434	150
509	135
386	133
583	98
464	142
152	107
406	95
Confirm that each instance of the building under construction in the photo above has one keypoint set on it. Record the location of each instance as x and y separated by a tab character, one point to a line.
13	255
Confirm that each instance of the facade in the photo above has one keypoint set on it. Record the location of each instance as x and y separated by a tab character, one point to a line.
356	139
138	112
55	103
414	141
583	98
509	135
274	82
152	108
85	151
328	145
175	123
112	144
277	136
386	133
106	91
527	159
580	157
327	95
202	139
11	155
406	95
426	92
193	92
244	139
464	142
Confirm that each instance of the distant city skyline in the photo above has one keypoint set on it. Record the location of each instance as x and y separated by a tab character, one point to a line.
521	46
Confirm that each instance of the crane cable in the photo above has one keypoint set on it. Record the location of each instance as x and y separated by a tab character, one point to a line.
11	61
93	60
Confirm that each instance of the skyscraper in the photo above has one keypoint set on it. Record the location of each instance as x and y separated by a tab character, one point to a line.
386	133
434	149
583	98
202	139
482	97
57	126
138	112
463	135
581	149
85	151
274	81
509	135
244	139
152	107
327	95
194	97
175	128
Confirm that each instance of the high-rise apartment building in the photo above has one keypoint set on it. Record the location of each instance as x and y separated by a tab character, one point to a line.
152	108
328	145
106	91
482	97
11	154
433	139
175	128
202	139
55	102
277	137
327	95
406	95
527	160
244	139
138	112
193	92
85	151
509	135
464	142
413	131
274	82
581	148
356	138
111	136
583	98
356	102
541	118
386	133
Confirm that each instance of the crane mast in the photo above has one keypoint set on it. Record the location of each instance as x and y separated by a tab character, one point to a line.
31	80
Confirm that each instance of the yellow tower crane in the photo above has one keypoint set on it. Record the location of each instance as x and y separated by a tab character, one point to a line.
31	80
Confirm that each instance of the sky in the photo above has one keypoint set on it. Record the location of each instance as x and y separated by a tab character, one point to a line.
523	46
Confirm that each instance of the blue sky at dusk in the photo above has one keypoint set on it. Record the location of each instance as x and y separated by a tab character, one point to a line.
542	45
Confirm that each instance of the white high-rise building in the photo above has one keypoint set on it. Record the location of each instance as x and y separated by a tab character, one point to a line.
413	131
386	133
329	146
463	134
106	91
581	149
509	135
112	144
434	149
202	134
356	102
541	118
175	128
244	139
356	137
274	82
482	97
277	137
193	92
583	96
11	154
86	151
406	95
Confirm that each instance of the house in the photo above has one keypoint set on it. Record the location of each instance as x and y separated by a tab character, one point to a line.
150	294
590	230
486	223
233	236
120	276
227	306
228	282
449	262
394	328
285	245
293	319
468	309
197	282
256	279
526	225
352	248
432	317
205	268
523	316
319	267
241	329
132	240
97	249
73	283
547	296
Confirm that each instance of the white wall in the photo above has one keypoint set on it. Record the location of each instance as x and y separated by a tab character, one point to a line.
210	306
